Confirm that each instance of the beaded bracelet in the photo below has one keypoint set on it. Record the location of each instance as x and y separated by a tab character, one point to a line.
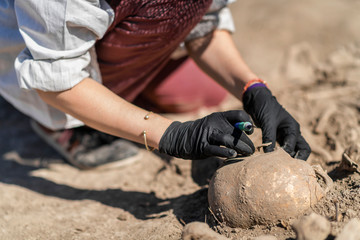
257	81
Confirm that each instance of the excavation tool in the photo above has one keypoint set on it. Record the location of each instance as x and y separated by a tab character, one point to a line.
244	126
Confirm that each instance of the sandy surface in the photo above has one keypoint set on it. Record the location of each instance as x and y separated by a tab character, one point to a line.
306	51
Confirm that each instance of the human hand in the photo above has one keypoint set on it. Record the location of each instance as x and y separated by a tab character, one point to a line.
207	137
275	122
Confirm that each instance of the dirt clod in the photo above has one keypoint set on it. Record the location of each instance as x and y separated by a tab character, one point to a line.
351	159
351	231
312	227
200	231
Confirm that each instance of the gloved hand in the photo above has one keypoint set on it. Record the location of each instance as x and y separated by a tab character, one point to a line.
275	122
202	138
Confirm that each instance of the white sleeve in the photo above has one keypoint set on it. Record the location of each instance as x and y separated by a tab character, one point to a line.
58	36
217	17
226	21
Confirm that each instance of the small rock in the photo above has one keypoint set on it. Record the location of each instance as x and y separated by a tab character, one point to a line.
122	217
351	159
351	231
200	231
312	227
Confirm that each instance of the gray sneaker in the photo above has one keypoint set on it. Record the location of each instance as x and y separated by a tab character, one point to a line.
86	148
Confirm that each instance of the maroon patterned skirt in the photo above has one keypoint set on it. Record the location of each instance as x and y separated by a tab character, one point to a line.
141	39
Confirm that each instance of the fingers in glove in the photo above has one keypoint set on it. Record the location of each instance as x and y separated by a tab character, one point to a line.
239	136
269	135
288	136
213	150
241	144
303	149
289	144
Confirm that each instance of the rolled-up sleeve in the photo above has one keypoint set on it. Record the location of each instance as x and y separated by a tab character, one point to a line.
58	35
217	17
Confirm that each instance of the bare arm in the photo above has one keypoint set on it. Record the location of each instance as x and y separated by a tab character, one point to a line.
98	107
218	56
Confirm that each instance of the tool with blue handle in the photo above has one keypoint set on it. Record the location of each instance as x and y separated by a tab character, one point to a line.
244	126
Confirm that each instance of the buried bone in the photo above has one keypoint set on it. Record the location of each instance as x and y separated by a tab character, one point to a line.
265	189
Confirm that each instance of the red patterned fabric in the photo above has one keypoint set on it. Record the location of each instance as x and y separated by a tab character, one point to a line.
141	39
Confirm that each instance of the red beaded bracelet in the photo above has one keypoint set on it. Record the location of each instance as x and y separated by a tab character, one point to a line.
249	83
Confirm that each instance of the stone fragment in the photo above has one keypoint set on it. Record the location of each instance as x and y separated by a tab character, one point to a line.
200	231
351	159
312	227
351	231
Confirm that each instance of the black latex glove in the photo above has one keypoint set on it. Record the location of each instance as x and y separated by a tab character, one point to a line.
202	138
275	122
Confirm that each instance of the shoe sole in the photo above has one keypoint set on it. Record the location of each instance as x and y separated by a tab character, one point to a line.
116	164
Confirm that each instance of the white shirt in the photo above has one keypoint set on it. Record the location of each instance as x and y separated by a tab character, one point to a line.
49	45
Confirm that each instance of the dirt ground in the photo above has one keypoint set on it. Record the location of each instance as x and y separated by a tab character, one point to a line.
308	51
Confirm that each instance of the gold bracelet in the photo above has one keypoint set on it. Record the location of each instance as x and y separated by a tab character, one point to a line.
144	134
147	116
